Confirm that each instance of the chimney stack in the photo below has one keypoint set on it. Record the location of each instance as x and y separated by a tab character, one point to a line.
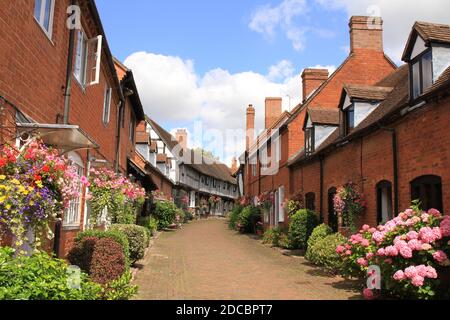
250	128
234	165
182	136
273	111
366	33
312	80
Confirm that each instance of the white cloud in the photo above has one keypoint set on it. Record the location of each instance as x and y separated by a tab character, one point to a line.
267	19
172	91
399	17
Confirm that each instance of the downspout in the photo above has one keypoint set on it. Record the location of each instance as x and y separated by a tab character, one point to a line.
67	92
116	160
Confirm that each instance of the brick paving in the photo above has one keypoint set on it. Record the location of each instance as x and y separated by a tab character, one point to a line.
206	261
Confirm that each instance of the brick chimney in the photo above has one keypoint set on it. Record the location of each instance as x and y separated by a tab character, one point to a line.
273	110
234	165
312	80
250	128
366	33
182	136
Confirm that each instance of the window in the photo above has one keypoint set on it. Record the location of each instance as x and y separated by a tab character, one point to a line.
421	74
73	212
384	201
428	189
43	13
107	105
349	119
309	141
87	59
280	204
310	200
133	128
332	215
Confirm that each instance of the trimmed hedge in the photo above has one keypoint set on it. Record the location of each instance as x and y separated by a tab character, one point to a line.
301	226
248	218
102	258
137	237
41	277
319	233
234	217
323	252
165	213
272	237
119	237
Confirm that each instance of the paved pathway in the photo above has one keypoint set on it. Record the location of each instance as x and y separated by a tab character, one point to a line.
206	261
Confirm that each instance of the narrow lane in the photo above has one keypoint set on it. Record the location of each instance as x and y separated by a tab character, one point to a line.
206	261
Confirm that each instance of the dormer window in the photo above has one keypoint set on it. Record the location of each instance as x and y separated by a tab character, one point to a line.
309	141
421	74
349	119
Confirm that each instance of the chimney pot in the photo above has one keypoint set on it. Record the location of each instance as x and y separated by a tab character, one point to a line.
366	33
312	80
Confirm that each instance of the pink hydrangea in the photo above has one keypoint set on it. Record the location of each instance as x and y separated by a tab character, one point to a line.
415	245
406	252
427	235
399	275
378	236
418	281
391	251
348	252
340	249
381	252
369	256
440	256
411	272
445	227
412	235
435	213
362	262
365	243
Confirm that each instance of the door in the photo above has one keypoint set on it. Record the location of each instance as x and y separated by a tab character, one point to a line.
332	215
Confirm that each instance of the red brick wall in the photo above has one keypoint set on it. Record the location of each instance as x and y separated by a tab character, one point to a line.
33	72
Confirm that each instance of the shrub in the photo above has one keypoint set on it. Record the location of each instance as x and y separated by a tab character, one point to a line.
272	237
302	224
318	233
165	213
248	218
150	224
103	259
322	252
119	237
40	277
234	217
188	216
411	251
138	239
180	216
285	241
120	289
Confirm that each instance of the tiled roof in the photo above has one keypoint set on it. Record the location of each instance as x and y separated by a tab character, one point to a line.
367	92
433	32
324	115
205	166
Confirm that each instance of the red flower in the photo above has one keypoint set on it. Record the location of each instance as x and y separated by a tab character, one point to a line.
37	178
46	168
2	162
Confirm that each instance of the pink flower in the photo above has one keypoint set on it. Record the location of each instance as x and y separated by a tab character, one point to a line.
348	253
415	244
368	294
411	272
366	227
399	275
340	249
365	243
381	252
378	236
372	230
435	213
445	227
369	256
406	252
440	256
362	262
391	251
426	247
412	235
431	273
418	281
427	235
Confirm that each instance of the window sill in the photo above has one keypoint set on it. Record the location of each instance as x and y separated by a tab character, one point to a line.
47	34
71	227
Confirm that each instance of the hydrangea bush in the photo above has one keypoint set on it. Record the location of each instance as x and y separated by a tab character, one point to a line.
411	250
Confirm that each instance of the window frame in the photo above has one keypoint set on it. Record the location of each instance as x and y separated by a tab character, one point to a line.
41	20
81	78
437	196
107	108
419	60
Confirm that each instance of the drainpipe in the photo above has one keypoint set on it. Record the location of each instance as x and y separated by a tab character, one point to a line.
68	87
116	160
67	91
321	188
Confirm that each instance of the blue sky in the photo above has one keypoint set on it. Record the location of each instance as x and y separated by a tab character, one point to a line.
204	61
216	33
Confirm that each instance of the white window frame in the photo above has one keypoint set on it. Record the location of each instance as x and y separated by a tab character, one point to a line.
107	105
83	44
72	215
281	195
41	19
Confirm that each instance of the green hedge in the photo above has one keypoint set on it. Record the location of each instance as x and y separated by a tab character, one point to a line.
272	237
165	213
301	226
234	217
323	252
319	233
138	239
41	277
248	218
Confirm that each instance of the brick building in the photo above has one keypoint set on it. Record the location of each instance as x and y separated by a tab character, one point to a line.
61	83
389	138
365	65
